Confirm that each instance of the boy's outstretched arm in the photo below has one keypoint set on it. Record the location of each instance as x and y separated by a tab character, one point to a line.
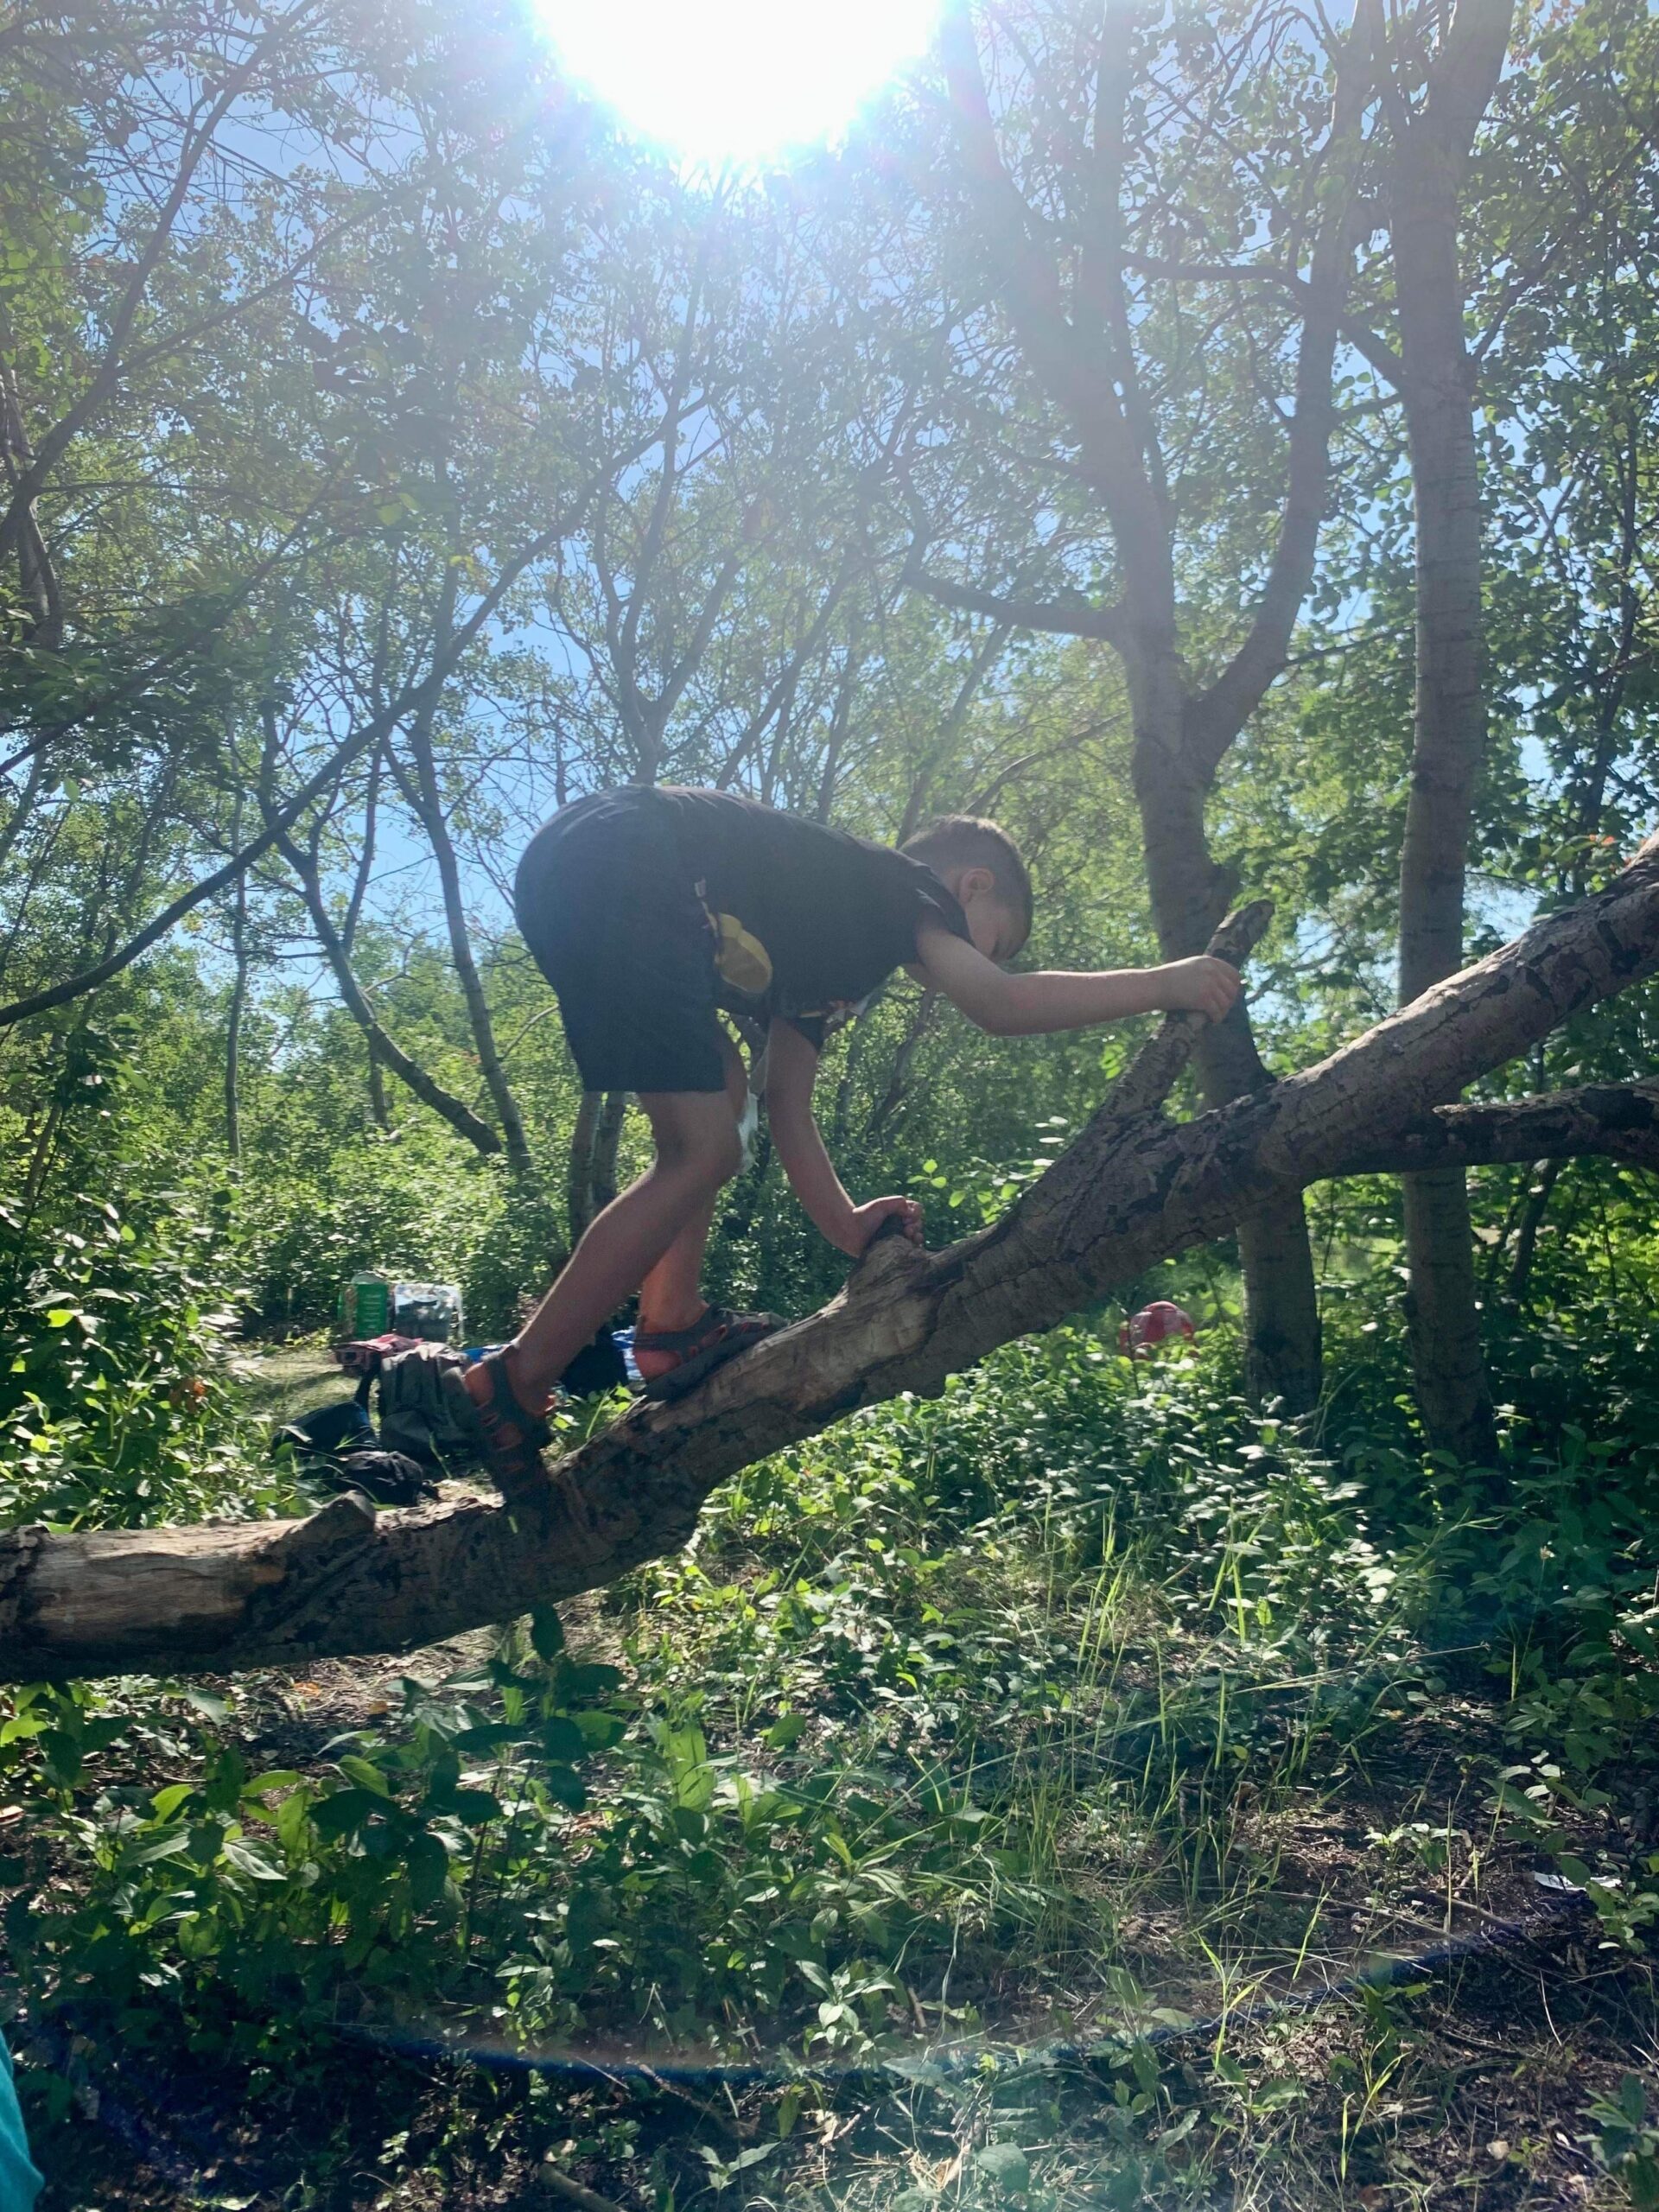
791	1071
1029	1004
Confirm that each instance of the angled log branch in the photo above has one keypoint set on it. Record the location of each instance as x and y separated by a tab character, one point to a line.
1135	1187
1619	1121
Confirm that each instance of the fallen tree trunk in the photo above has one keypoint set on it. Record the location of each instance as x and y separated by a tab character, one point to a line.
1134	1188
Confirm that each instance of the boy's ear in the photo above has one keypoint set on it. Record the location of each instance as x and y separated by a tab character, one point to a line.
974	880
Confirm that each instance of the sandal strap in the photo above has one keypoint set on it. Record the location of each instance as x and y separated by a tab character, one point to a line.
504	1403
713	1325
508	1438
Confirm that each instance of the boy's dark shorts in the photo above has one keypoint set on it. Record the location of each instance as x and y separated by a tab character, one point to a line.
607	906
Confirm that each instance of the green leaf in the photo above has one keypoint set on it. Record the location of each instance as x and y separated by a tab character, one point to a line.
1006	2165
474	1807
365	1773
546	1632
564	1786
344	1811
490	1735
293	1817
166	1801
429	1866
248	1859
563	1741
588	1679
264	1784
152	1849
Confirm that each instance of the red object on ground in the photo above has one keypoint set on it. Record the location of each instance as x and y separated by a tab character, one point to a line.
363	1355
1152	1325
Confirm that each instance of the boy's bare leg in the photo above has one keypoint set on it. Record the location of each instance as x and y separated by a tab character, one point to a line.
670	1297
697	1151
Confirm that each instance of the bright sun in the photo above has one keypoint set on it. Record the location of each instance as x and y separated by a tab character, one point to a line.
736	79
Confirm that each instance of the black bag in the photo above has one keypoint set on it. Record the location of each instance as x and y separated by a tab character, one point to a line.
390	1477
341	1426
338	1446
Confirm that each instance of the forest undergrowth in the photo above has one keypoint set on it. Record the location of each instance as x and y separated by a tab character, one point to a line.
950	1824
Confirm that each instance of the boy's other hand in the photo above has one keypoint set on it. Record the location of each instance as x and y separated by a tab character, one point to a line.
1202	985
867	1219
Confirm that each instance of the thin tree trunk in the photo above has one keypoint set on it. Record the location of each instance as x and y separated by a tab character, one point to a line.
36	575
606	1137
579	1171
379	1109
898	1078
590	1181
34	789
1431	154
239	1000
427	799
1546	1175
1283	1337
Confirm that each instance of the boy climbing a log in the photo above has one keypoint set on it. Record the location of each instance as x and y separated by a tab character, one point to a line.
650	910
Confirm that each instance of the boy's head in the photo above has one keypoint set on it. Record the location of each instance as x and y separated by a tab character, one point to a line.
981	865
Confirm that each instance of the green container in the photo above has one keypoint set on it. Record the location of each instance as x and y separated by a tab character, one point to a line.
366	1306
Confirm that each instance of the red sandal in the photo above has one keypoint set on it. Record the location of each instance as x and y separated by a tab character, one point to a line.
707	1344
508	1436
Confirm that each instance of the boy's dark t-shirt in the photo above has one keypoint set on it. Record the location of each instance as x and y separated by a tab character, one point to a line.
835	914
624	896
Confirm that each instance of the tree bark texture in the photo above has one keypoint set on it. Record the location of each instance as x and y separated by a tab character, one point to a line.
1075	325
1431	154
1134	1188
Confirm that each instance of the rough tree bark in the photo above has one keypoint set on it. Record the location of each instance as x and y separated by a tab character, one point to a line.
1076	333
1134	1188
1430	154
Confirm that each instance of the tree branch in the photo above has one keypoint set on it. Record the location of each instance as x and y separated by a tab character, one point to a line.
1619	1121
1213	719
1061	617
426	1087
1068	369
374	732
1370	345
56	440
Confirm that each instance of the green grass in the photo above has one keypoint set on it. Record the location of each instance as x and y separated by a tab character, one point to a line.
1066	1711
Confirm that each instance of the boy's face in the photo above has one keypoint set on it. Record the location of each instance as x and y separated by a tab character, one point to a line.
995	928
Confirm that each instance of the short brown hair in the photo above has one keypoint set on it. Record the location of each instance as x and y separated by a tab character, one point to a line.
966	841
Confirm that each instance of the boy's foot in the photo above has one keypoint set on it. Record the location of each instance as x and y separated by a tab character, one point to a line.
673	1361
508	1433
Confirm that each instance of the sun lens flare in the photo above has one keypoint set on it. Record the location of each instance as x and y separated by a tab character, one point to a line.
735	80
